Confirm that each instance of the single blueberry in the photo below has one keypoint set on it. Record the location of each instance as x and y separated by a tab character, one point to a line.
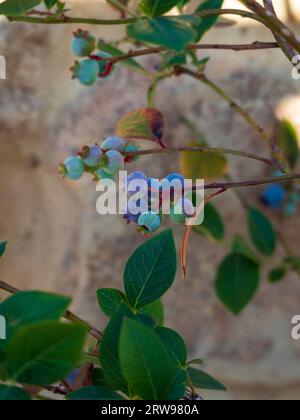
91	155
274	196
73	168
83	43
150	220
113	143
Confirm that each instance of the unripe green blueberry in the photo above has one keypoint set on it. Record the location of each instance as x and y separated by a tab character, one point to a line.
102	174
72	168
150	220
113	143
83	43
86	71
115	162
91	155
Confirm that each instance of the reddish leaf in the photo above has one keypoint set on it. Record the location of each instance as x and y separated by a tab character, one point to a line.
146	123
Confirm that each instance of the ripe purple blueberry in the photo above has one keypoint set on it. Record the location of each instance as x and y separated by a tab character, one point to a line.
113	143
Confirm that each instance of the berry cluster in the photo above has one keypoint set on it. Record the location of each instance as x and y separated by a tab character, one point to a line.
284	198
104	162
154	193
96	65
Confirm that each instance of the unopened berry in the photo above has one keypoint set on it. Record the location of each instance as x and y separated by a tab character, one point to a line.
83	43
273	196
113	143
115	162
91	155
72	168
150	220
131	147
86	72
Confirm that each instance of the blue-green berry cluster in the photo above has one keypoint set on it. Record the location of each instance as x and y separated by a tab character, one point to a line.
102	161
149	221
96	65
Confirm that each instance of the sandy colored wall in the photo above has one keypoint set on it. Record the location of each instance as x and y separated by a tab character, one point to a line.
58	242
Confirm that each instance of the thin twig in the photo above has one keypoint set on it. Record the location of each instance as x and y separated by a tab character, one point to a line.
253	183
68	315
254	46
60	20
277	154
202	149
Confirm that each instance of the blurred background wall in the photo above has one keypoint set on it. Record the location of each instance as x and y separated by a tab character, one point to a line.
58	242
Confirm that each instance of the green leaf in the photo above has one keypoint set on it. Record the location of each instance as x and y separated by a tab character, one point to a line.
154	8
155	311
237	281
109	349
240	246
98	378
145	123
44	353
202	380
277	274
169	32
12	393
174	343
3	245
94	393
208	22
17	7
198	165
146	364
109	300
261	232
25	308
212	226
195	362
129	63
151	270
50	3
287	140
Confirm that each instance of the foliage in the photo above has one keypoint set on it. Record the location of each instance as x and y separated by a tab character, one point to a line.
137	356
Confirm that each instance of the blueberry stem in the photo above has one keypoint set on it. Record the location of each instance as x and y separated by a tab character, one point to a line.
279	158
202	149
75	20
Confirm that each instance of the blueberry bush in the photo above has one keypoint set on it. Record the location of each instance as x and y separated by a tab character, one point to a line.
48	350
